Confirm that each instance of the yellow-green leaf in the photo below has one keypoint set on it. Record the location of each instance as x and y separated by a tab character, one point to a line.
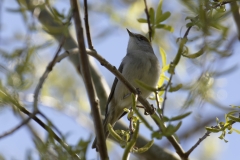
144	148
175	88
145	86
142	20
237	119
195	55
163	56
179	117
152	15
163	17
235	130
214	130
113	133
159	10
166	27
165	68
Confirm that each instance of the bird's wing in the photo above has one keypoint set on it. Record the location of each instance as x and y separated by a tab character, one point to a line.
113	88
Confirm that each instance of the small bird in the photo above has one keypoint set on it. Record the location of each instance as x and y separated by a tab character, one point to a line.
140	63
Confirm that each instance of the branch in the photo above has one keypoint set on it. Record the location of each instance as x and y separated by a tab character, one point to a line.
155	151
148	20
17	127
36	93
83	58
44	76
132	89
165	93
51	124
102	88
47	20
50	131
87	26
198	142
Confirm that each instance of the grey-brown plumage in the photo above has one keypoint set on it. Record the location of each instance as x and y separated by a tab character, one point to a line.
139	63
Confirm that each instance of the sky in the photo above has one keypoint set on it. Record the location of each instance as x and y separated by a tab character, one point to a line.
113	48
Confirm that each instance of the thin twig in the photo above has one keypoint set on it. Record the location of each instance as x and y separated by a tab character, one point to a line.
36	93
158	103
87	25
50	131
148	20
84	62
187	31
165	93
51	124
44	76
198	142
17	127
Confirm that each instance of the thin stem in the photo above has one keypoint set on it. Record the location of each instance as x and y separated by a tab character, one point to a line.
50	123
165	93
44	76
148	20
84	63
17	127
87	25
198	142
50	131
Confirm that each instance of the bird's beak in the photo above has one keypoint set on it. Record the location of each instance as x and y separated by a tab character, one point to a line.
130	33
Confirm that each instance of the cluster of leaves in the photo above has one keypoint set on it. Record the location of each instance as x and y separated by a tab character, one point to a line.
226	127
128	138
157	18
49	149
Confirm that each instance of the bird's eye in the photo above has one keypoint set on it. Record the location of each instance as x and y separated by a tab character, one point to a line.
140	38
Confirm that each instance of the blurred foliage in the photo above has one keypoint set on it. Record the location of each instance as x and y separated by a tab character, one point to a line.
49	149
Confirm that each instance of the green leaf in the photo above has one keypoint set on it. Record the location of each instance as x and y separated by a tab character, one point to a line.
159	10
190	24
175	88
165	68
166	27
172	129
145	86
16	10
142	20
157	135
237	119
235	130
131	144
113	133
143	120
163	17
152	15
163	56
180	117
144	148
217	120
195	55
214	130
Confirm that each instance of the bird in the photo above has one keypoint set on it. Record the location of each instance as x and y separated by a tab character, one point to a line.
140	63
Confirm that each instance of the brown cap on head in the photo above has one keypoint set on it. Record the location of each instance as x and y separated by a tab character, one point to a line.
130	33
